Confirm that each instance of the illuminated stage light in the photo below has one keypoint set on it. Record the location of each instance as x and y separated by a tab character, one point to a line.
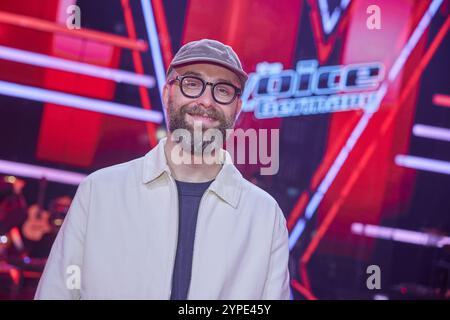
37	24
441	100
79	102
412	41
424	164
400	235
296	232
37	172
42	60
3	239
432	132
152	33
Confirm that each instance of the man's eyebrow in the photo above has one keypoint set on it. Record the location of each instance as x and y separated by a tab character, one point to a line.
192	73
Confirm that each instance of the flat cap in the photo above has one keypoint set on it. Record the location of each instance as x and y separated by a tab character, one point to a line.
213	51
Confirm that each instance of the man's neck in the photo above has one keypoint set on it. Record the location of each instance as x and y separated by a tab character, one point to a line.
197	170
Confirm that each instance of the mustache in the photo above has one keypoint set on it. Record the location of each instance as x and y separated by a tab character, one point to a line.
196	110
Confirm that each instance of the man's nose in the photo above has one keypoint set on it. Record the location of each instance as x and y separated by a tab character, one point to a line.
206	99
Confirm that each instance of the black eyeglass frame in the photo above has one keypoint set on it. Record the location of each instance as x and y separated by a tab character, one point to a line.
237	91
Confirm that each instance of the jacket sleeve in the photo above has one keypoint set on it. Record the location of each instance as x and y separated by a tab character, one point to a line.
277	282
62	275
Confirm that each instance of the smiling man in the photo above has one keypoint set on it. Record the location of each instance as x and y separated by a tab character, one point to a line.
158	228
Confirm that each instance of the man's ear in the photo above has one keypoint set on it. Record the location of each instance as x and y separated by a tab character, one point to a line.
239	106
238	110
165	96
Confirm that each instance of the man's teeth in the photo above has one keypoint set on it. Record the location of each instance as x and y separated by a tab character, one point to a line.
203	116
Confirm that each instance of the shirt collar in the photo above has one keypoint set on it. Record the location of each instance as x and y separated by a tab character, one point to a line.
227	184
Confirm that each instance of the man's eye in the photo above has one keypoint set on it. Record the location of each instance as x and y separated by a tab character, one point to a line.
224	91
192	84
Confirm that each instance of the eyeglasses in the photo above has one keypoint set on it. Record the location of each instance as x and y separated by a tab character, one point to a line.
193	87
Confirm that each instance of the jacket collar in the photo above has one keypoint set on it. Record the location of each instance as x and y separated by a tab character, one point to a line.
227	184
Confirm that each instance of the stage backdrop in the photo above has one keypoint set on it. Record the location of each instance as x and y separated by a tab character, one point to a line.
358	89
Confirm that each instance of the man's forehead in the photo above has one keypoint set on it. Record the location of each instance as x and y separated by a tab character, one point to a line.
209	72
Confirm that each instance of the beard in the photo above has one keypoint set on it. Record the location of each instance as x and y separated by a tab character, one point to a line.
177	120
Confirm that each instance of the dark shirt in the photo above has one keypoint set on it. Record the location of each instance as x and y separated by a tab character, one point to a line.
189	196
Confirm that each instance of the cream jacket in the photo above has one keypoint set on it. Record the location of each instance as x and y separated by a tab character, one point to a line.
119	238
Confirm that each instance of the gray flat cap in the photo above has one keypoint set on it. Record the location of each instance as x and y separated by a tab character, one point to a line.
207	50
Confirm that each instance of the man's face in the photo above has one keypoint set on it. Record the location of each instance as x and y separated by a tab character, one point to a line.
204	111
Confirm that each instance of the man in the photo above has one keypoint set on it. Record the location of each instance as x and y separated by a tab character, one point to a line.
160	228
